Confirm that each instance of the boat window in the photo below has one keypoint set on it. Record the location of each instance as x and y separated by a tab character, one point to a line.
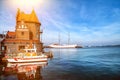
21	47
33	51
22	33
29	51
4	48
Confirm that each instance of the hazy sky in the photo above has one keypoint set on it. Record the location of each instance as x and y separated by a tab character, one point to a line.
89	22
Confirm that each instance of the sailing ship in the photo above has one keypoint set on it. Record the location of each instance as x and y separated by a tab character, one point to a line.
64	45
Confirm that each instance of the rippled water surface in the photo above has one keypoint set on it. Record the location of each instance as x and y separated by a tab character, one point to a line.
84	64
72	64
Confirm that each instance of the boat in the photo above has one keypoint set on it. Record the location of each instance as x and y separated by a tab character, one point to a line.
28	55
68	45
62	46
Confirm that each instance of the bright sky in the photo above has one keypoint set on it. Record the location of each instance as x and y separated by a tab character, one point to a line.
89	22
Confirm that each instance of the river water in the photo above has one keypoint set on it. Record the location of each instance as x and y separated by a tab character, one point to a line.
101	63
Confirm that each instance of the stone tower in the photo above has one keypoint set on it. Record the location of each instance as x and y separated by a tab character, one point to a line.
27	31
28	22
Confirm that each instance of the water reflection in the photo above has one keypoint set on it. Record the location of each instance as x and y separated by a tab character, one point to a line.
22	71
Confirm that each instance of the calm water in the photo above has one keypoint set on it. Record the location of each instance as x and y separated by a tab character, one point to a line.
71	64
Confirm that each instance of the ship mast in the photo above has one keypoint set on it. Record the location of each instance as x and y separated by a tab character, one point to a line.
59	38
68	38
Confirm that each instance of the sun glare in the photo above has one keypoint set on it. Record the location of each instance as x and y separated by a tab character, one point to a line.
28	4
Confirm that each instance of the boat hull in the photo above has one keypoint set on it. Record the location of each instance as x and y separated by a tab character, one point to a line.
15	60
27	64
62	46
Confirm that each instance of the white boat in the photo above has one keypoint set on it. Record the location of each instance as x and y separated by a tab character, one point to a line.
62	46
29	55
65	45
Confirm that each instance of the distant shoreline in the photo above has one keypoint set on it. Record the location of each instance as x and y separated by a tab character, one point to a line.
105	46
92	46
63	48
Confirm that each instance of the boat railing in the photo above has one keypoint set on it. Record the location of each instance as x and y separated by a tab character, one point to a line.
22	55
13	55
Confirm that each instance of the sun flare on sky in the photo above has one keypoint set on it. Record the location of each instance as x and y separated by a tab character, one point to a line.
26	4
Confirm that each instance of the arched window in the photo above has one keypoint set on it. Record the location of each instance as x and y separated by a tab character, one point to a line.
22	33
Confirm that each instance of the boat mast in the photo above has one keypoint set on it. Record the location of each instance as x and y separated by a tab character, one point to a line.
59	38
68	38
